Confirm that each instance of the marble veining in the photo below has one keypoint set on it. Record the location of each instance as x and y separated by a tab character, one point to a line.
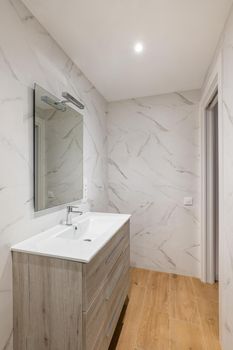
153	163
28	54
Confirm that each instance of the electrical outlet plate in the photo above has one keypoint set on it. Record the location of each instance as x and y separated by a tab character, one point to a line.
188	201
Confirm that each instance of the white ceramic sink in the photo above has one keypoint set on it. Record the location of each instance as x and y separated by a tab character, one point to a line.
79	242
88	229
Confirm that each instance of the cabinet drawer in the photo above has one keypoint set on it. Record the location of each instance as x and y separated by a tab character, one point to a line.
115	305
95	272
113	315
101	318
119	270
94	323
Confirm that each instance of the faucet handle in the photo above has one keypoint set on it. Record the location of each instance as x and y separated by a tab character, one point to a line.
74	209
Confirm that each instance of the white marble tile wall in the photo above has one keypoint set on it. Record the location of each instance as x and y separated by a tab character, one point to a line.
153	163
27	55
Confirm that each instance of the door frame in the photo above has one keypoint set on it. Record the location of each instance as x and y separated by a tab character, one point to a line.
213	83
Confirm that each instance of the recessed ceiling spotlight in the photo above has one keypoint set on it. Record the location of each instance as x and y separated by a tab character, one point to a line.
138	47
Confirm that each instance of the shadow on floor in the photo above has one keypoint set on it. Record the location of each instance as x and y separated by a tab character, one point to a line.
119	326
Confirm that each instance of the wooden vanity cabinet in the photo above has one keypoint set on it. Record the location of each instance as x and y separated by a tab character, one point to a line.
66	305
105	288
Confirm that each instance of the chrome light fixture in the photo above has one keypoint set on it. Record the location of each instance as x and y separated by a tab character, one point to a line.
61	105
71	99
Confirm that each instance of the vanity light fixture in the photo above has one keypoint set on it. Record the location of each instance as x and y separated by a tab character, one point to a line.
61	105
71	99
138	47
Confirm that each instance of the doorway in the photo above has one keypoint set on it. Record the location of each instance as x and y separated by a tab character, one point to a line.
212	194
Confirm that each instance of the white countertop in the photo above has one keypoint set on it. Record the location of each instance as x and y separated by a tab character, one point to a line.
49	243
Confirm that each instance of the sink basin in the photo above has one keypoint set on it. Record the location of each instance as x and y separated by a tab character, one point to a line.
87	229
70	233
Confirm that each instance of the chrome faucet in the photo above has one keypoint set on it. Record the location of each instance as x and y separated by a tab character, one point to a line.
71	209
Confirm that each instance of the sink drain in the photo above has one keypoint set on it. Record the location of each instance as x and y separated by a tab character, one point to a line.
87	240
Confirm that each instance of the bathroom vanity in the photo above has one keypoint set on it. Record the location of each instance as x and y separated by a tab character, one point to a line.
70	284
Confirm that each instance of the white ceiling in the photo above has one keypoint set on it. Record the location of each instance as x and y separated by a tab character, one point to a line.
180	37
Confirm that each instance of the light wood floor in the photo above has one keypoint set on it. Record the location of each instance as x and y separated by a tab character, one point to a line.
169	312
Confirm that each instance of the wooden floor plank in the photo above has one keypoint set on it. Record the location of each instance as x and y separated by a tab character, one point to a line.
169	312
133	316
205	291
185	336
182	284
139	277
209	321
153	332
157	291
183	304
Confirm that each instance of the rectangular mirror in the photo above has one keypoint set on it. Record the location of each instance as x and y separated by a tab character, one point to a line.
58	151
